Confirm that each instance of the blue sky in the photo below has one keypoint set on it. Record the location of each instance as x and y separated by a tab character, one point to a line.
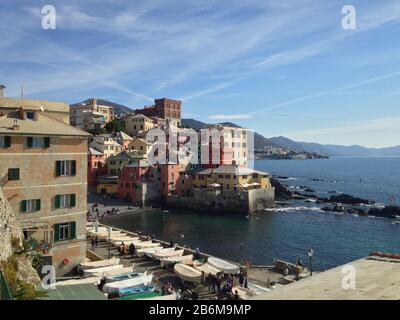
281	67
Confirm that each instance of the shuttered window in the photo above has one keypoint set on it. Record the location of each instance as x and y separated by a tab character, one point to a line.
5	141
65	168
38	142
31	205
64	231
65	201
13	174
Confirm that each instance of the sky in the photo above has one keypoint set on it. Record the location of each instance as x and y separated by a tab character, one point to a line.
280	67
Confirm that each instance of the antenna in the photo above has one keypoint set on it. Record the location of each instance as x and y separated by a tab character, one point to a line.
22	96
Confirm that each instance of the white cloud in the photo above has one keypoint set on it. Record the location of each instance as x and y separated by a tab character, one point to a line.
230	116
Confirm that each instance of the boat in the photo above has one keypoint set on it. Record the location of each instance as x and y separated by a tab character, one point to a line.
143	251
91	272
223	265
188	260
161	297
134	291
113	272
146	244
151	254
123	276
130	283
123	237
144	296
117	243
90	280
98	264
187	273
167	254
207	268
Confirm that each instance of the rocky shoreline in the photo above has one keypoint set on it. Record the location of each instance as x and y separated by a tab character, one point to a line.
343	203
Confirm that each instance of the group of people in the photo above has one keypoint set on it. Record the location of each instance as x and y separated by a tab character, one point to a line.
123	248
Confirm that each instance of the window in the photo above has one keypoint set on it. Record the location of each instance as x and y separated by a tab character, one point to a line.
30	115
65	168
255	175
64	231
13	174
31	205
5	142
65	201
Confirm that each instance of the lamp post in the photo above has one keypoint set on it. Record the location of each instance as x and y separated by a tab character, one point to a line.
310	255
109	242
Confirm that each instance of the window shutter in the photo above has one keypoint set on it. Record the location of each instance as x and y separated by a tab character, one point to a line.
29	142
73	167
58	168
58	200
56	232
47	142
72	230
38	204
72	200
7	141
23	206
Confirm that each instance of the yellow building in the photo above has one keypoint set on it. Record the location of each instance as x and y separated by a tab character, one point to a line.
43	170
107	184
121	160
140	146
232	177
106	144
138	123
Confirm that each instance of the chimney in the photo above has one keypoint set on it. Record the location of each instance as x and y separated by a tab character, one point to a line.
2	91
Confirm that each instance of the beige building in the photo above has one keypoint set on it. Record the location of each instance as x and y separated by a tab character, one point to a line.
138	123
86	116
140	146
43	170
106	144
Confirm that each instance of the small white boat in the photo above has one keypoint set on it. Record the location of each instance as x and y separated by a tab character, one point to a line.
187	273
146	244
92	272
117	243
207	268
223	265
167	254
98	264
188	260
150	254
142	252
130	283
123	276
166	297
91	280
113	272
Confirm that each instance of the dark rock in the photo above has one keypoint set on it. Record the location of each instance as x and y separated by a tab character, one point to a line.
358	211
347	199
281	191
338	208
308	190
388	212
326	209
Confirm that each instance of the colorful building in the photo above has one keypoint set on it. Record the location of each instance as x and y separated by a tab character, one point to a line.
121	160
138	123
43	167
96	166
88	115
164	108
106	144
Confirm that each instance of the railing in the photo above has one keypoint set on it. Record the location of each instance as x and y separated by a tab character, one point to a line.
5	293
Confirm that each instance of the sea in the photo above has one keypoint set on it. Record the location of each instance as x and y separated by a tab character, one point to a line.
290	231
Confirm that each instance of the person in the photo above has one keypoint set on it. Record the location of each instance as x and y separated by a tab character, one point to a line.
268	283
93	243
218	284
236	295
122	249
209	281
171	243
203	277
245	282
163	290
178	294
96	241
241	279
132	249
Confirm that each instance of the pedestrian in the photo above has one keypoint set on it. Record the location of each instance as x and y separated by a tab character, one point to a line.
93	243
96	242
122	248
203	277
218	285
236	295
171	243
245	282
132	249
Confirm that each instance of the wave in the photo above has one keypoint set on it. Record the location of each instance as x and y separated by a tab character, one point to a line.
294	209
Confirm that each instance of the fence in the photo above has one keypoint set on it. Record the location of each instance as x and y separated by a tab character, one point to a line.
5	293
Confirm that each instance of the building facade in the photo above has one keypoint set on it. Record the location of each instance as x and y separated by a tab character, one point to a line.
167	109
43	164
87	116
106	144
138	123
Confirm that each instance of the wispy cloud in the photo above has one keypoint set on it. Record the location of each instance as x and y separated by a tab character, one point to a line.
230	116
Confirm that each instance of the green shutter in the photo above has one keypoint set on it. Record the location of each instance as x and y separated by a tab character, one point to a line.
23	206
7	141
56	232
57	202
38	204
47	142
72	230
72	200
58	168
73	167
29	142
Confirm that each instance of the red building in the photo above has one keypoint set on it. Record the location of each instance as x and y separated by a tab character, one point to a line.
96	166
164	108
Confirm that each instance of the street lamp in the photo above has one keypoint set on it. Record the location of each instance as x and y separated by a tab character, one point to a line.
109	242
310	255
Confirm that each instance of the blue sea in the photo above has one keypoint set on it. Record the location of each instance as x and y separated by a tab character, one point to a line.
291	231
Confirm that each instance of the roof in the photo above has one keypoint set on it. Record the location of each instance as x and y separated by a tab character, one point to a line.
28	104
140	163
232	169
95	152
376	278
75	292
124	136
44	125
121	156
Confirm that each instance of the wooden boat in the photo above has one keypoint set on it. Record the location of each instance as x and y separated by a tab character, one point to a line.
91	272
167	254
134	291
187	273
223	265
151	254
207	268
143	296
161	297
91	280
188	260
143	251
113	272
123	276
130	283
98	264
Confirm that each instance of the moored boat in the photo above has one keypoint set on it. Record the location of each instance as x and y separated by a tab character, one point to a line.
207	268
188	260
130	283
134	291
150	254
187	273
143	251
91	272
223	265
143	296
98	264
166	254
113	272
123	276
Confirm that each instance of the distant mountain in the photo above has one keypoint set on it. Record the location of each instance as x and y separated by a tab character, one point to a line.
118	108
335	150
